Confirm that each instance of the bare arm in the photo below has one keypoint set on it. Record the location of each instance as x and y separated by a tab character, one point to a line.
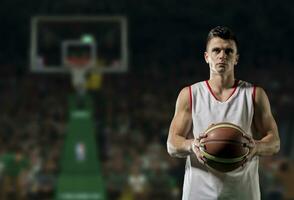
266	125
177	144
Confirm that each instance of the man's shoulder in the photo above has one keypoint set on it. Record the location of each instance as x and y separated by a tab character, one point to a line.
197	84
245	84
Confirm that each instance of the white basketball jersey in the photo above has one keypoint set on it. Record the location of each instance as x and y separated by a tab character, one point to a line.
201	183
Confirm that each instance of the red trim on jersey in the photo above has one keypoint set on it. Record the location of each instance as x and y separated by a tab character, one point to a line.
254	93
235	88
190	94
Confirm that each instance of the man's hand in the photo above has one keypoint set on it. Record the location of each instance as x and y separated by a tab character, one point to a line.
196	150
252	148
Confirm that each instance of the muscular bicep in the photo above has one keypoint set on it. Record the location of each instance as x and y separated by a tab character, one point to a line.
263	119
182	121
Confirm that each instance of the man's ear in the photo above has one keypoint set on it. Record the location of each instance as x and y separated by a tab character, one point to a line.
206	57
237	59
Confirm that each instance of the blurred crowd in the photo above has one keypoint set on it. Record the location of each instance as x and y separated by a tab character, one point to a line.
132	113
33	122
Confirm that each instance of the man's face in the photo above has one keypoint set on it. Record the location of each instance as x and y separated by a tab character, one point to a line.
221	55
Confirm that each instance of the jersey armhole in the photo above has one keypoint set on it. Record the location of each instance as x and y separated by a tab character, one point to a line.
190	97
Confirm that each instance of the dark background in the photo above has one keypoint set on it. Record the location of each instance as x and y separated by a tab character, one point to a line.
134	109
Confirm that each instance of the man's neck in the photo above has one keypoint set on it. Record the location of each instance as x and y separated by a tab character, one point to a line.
221	82
221	87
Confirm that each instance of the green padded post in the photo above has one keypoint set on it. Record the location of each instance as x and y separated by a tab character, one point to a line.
80	177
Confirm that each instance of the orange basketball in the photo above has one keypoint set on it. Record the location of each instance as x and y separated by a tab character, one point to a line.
225	147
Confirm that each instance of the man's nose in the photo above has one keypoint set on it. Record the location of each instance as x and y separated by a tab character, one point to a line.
222	54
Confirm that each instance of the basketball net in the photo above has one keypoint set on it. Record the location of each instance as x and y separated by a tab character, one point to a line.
79	68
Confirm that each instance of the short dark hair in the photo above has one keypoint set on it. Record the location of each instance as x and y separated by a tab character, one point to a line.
222	32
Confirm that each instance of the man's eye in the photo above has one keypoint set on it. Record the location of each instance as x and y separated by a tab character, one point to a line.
216	50
229	51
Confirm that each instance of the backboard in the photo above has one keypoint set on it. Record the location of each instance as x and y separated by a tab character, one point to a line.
102	39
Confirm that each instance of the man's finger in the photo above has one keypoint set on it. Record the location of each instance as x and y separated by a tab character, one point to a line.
211	125
246	136
202	136
203	159
249	145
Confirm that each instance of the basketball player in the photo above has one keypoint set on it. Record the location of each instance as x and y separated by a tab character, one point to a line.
222	98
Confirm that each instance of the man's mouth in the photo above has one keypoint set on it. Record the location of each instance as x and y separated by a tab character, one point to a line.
222	63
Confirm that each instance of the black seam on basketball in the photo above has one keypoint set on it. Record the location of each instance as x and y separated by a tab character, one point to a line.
223	160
